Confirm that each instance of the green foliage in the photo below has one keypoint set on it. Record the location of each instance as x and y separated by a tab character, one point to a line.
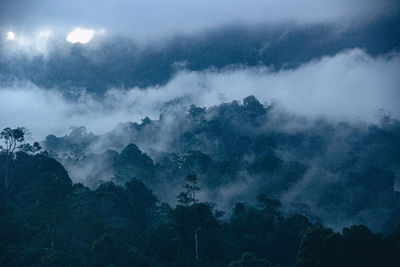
188	197
10	226
249	260
344	169
48	221
357	246
12	137
108	250
28	148
270	205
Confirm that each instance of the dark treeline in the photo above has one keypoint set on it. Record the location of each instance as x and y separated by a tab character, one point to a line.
239	184
46	220
335	173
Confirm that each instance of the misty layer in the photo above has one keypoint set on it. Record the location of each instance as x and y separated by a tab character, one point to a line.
200	133
347	86
336	173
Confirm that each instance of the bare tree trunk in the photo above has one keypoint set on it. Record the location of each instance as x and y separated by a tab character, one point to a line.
7	178
52	230
6	182
195	244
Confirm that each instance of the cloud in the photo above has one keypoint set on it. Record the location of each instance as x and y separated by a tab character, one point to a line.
350	85
148	19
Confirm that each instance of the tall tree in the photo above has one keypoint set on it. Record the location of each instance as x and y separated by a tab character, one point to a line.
12	138
188	199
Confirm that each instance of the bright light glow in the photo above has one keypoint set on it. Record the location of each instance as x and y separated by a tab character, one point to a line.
10	36
79	35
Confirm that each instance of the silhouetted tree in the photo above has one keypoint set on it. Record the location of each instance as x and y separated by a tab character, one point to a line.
28	148
188	197
270	205
12	138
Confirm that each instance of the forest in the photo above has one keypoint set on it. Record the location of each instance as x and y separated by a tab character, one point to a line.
212	133
167	207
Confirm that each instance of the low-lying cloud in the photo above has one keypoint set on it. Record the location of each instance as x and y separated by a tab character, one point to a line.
348	86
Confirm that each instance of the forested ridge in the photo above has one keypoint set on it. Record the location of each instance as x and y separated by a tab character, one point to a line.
49	221
169	207
338	173
212	133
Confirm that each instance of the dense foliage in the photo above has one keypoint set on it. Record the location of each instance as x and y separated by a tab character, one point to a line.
240	184
334	173
48	221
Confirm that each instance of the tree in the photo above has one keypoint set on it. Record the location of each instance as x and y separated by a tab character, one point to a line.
313	248
188	197
249	260
12	137
110	250
270	205
28	148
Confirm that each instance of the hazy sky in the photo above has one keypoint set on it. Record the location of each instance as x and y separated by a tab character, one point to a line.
350	84
153	18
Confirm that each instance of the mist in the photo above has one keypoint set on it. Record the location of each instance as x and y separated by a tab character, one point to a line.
348	86
188	133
